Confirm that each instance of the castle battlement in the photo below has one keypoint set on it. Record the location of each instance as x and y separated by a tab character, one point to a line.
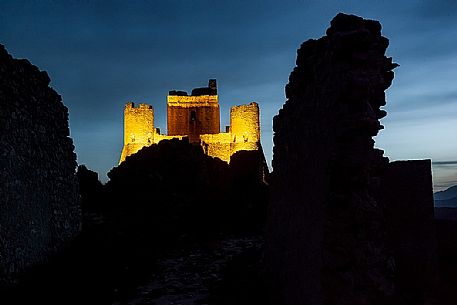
196	116
189	101
140	106
200	97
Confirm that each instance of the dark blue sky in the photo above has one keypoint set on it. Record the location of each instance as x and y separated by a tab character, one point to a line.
101	54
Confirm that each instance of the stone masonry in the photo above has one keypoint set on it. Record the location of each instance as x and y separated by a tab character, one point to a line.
39	204
327	237
197	117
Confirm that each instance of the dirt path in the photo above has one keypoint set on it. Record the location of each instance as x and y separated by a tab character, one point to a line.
185	277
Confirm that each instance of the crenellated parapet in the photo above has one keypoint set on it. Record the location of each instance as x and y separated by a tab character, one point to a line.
189	101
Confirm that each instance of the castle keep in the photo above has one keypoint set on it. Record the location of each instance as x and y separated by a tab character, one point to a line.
196	116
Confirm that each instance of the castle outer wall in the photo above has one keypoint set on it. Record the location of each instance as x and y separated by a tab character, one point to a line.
39	201
244	133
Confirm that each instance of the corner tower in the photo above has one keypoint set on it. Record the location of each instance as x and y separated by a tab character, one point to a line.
195	114
245	127
138	128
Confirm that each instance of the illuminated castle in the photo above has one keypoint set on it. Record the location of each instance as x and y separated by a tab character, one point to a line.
196	116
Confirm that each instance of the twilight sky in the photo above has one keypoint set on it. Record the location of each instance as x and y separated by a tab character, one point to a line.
101	54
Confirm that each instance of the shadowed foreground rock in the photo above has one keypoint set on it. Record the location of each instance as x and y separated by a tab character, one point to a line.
327	230
166	198
175	188
39	206
408	201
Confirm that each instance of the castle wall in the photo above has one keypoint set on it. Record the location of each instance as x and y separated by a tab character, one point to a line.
138	128
39	201
217	145
193	116
326	230
245	127
196	117
409	209
160	137
130	149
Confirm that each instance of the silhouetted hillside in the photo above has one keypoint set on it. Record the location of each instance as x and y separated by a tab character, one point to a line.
174	188
446	198
447	194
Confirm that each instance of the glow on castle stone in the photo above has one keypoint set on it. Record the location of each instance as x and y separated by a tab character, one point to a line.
196	116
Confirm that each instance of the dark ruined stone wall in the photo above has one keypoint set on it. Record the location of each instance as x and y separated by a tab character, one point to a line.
408	198
39	207
326	234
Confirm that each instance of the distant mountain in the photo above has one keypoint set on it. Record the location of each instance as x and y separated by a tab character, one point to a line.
447	194
446	198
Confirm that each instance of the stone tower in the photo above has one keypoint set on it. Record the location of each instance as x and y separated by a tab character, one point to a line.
138	128
195	114
244	127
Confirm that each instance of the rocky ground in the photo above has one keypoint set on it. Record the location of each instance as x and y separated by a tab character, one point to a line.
190	276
